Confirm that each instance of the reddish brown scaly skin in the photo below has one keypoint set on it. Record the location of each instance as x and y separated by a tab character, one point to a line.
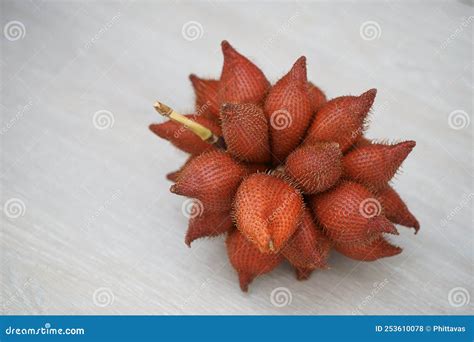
363	141
341	120
208	224
341	213
316	97
241	81
212	178
245	130
395	209
184	139
207	103
267	210
288	100
376	164
308	248
248	261
369	250
256	167
320	160
173	176
315	167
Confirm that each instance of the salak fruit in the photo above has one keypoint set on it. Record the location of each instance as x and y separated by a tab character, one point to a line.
293	176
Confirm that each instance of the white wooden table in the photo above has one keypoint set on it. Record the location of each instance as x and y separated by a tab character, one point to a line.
97	232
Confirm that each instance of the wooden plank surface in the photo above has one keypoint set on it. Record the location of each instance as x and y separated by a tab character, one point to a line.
97	232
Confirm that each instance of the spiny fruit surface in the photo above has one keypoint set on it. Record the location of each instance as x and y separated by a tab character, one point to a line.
267	210
248	260
349	213
316	97
288	109
395	209
207	224
370	250
286	173
376	164
245	131
173	176
315	167
212	178
207	103
308	248
342	119
241	80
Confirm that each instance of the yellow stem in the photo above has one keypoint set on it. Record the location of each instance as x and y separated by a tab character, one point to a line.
202	132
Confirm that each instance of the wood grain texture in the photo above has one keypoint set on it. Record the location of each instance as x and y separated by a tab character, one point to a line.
99	222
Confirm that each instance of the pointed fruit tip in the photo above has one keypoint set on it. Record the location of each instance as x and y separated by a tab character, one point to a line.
188	241
244	281
380	224
394	250
301	61
416	226
302	275
227	49
389	228
298	71
158	129
403	149
369	96
172	176
225	44
193	78
410	144
392	230
371	93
